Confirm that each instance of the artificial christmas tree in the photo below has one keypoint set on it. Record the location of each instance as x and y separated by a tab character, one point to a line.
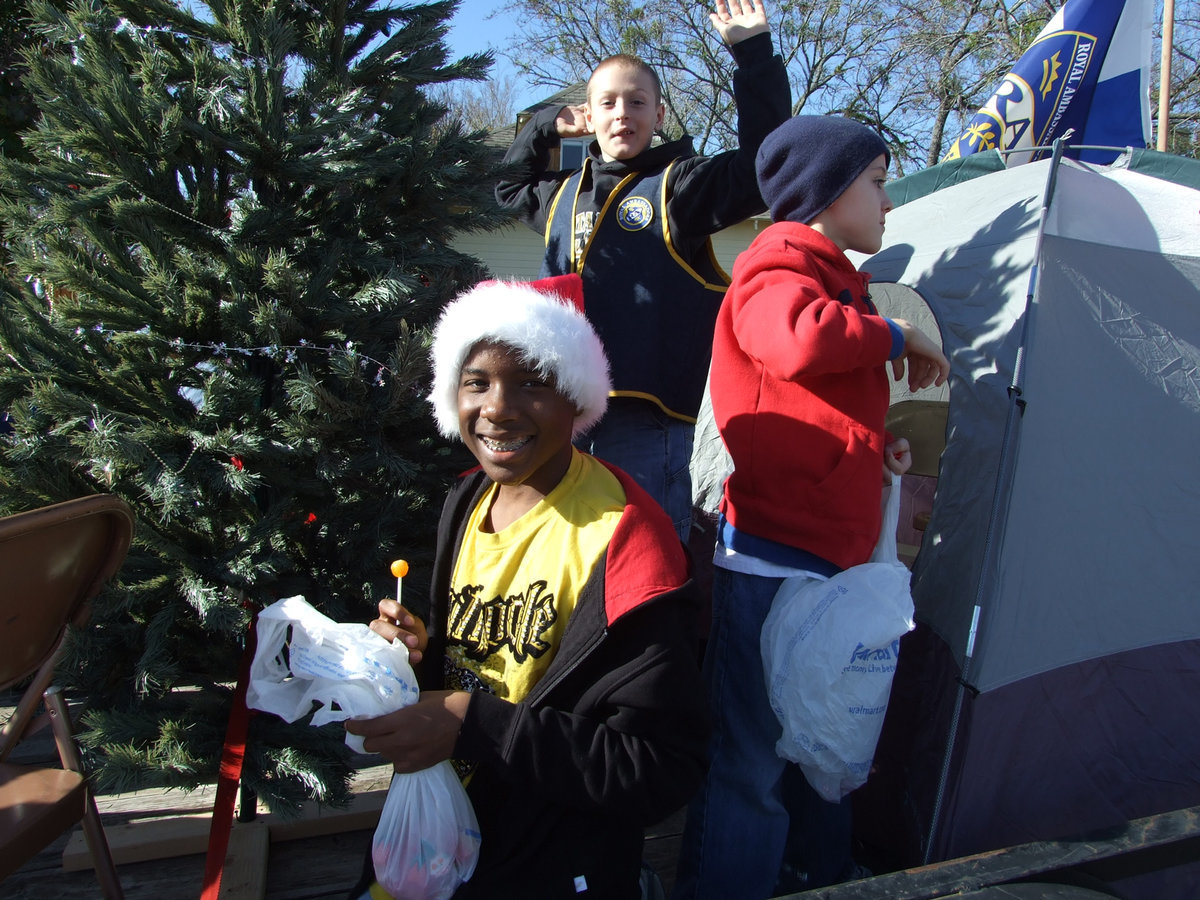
225	245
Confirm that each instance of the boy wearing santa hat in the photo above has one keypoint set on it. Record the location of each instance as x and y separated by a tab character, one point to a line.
557	665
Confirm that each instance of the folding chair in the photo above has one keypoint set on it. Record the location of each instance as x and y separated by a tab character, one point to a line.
53	561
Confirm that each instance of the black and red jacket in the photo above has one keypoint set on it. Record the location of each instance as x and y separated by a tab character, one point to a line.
614	736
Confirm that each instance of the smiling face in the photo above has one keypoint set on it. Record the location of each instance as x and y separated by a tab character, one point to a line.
623	109
515	421
855	220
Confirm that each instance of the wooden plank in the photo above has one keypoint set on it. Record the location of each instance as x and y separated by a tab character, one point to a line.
145	839
362	813
133	842
245	875
1023	861
325	866
155	802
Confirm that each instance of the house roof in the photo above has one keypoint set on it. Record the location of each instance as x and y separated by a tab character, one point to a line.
572	95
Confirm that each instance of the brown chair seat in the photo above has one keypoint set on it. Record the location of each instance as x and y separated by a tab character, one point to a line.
39	805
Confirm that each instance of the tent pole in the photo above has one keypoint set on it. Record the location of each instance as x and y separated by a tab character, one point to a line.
1016	409
1164	84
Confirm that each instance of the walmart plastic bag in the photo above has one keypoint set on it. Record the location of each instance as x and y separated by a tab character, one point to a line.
427	841
829	652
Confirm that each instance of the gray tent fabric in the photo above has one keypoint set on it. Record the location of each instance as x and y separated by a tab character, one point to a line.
1055	685
1109	350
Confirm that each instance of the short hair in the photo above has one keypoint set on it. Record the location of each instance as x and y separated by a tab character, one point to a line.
628	61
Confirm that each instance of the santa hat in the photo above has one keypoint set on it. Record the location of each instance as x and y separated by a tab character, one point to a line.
544	321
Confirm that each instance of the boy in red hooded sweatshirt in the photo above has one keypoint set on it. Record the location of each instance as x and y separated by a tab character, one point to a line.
799	391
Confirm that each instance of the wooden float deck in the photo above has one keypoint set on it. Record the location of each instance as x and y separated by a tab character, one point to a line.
314	857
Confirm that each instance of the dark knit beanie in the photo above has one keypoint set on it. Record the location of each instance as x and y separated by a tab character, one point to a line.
806	163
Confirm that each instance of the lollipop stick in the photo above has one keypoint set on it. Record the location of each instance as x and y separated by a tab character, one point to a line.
399	569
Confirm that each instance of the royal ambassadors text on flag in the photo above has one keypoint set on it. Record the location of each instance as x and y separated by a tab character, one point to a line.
1085	79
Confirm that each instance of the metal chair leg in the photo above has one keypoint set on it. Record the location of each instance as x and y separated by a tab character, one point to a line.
93	831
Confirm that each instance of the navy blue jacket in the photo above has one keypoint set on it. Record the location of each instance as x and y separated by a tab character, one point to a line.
654	301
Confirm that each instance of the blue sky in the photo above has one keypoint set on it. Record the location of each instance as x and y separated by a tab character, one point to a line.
471	31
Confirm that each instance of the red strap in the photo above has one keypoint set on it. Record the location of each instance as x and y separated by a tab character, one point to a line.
232	756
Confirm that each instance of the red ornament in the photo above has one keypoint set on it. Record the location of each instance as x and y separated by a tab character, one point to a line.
237	462
312	517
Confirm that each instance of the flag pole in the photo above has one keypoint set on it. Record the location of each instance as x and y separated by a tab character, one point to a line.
1164	87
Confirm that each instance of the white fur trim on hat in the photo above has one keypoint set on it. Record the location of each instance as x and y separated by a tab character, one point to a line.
550	333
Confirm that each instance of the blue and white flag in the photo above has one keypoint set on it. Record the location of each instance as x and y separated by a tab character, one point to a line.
1086	79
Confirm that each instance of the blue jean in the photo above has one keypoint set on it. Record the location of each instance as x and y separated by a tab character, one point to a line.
737	824
653	448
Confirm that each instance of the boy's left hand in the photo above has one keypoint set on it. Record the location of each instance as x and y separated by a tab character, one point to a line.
736	20
571	122
418	736
897	459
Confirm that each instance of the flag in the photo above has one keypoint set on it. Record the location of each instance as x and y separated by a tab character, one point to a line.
1085	79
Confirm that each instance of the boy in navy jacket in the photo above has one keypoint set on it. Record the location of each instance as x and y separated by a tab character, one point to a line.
635	222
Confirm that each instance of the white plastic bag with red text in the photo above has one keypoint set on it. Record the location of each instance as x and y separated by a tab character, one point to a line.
829	652
427	840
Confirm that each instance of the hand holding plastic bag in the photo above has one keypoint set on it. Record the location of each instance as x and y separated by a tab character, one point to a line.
427	840
829	652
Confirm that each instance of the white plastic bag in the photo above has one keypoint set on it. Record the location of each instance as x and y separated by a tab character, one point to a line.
829	652
304	656
427	840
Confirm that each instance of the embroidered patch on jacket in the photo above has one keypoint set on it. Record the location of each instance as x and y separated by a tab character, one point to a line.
635	213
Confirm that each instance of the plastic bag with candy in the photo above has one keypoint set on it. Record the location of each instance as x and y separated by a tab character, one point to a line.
829	651
427	840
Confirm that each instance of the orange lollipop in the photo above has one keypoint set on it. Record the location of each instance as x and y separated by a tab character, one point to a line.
399	569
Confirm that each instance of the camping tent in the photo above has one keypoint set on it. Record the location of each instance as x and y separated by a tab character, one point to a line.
1053	686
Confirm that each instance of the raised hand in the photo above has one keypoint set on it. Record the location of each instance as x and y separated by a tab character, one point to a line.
736	20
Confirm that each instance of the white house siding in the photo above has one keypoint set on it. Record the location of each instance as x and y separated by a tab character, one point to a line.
516	251
513	252
729	243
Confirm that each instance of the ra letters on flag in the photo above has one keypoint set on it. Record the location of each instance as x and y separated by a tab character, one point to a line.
1085	79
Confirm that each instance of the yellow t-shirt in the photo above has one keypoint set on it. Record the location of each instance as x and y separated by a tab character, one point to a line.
512	592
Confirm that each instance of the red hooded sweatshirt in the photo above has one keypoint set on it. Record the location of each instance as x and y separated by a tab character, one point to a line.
799	391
